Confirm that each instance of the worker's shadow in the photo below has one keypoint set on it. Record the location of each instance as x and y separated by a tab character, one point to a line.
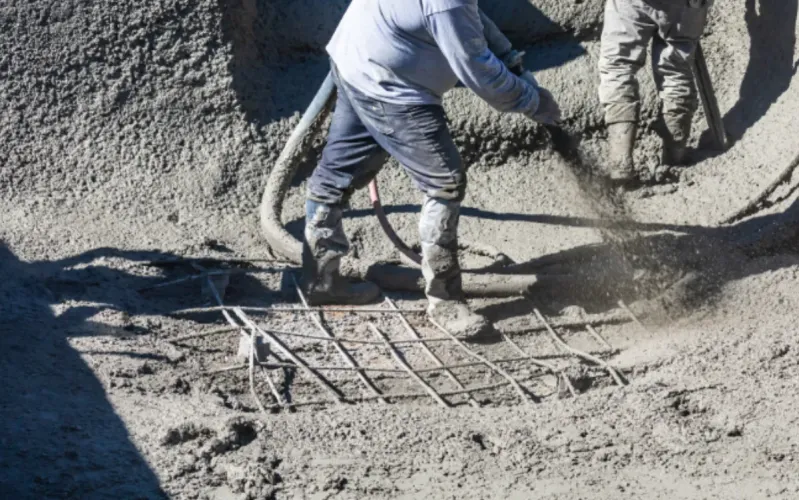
771	25
60	435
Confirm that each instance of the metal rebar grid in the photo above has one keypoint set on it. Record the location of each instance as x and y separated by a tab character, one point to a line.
413	332
316	319
560	375
246	325
579	353
358	341
319	379
492	366
307	336
406	395
405	366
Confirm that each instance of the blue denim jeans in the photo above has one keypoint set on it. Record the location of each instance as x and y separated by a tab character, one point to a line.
364	132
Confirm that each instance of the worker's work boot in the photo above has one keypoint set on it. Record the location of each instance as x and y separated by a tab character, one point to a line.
324	246
621	136
438	230
678	129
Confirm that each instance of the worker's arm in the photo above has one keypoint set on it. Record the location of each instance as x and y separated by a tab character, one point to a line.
496	40
459	34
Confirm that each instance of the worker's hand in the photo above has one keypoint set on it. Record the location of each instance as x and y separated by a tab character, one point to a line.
548	112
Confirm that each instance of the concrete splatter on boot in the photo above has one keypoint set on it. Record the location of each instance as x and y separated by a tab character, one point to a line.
438	230
678	129
324	246
621	136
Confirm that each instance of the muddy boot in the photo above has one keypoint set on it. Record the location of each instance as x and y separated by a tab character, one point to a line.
438	230
324	246
678	128
621	136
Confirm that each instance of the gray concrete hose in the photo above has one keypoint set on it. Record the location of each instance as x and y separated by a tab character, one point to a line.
285	168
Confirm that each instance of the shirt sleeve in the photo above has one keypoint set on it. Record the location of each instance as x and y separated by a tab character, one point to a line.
459	34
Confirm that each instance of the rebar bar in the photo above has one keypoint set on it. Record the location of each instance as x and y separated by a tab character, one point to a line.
403	364
632	316
600	340
413	332
560	375
252	353
251	374
273	389
517	387
577	352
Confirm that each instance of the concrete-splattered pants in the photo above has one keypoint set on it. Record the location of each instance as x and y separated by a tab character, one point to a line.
629	25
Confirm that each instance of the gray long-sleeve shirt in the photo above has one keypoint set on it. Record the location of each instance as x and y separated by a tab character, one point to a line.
413	51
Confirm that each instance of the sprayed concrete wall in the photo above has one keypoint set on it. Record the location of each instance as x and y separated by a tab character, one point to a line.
187	103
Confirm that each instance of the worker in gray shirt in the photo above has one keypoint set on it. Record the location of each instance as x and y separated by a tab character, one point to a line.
674	27
392	60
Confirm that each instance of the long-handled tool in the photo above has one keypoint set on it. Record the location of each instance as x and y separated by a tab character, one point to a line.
709	100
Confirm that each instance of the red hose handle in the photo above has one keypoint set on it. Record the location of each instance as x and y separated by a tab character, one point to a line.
404	249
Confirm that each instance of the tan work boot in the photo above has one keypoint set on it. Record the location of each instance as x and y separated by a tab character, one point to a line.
621	136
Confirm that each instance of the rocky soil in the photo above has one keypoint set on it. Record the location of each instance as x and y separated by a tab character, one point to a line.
138	136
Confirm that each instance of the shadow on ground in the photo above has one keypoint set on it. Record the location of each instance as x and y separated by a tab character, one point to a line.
597	276
771	25
59	433
60	436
